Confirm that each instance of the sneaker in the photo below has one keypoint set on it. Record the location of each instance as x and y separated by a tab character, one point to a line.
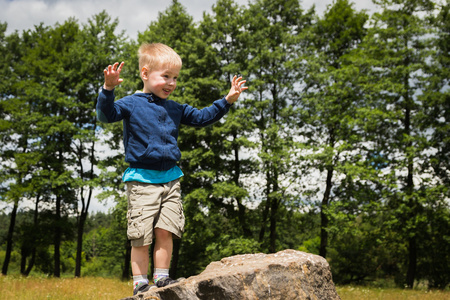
165	282
142	288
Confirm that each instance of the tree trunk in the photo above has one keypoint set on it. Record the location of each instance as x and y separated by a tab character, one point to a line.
273	225
241	208
175	258
266	210
31	262
126	267
323	214
412	242
33	246
152	260
81	222
412	262
262	231
85	202
24	252
57	238
242	220
9	238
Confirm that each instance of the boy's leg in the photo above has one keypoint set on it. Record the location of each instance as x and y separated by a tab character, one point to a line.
139	260
163	248
170	223
143	206
139	268
162	254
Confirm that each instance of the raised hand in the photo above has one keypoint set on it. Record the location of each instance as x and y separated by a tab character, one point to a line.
236	89
112	76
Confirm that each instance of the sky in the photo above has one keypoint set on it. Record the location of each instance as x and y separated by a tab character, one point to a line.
134	15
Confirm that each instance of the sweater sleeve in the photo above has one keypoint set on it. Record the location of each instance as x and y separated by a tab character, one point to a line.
206	116
109	111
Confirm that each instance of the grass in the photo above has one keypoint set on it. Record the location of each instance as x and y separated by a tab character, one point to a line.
90	288
372	293
86	288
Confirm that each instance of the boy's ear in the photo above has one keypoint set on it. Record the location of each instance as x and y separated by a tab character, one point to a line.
144	73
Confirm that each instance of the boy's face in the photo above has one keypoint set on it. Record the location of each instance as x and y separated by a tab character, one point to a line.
161	82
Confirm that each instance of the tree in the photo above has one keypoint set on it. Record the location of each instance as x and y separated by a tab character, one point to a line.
397	47
224	30
19	157
6	130
271	31
47	92
329	105
97	45
434	265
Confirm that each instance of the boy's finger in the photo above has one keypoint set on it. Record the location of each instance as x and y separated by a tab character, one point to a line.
120	67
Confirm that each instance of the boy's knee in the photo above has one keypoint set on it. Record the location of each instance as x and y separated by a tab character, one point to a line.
162	234
140	249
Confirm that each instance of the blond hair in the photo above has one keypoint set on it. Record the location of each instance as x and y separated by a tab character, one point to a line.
156	55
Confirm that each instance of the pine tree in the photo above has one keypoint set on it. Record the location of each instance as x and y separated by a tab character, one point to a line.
398	47
433	263
97	44
329	105
271	31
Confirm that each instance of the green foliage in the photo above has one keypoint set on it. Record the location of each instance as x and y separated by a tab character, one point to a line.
226	247
333	141
311	246
398	47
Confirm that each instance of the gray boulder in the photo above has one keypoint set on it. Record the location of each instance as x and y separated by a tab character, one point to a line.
284	275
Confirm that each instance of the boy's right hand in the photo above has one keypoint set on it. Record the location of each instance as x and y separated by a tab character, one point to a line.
112	76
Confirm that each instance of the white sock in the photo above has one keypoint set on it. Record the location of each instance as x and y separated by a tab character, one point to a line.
139	279
160	273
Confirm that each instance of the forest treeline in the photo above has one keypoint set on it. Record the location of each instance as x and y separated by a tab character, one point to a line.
340	147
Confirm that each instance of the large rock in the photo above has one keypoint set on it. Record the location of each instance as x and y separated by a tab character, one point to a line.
285	275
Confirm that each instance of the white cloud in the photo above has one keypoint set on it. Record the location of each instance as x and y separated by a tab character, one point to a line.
134	15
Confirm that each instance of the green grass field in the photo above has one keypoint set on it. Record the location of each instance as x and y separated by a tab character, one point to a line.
85	288
367	293
90	288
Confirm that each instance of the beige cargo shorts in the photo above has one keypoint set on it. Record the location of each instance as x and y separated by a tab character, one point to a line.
153	206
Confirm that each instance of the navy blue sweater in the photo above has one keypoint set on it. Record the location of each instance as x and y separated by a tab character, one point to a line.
150	125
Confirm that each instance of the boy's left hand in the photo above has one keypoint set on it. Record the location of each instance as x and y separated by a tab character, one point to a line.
236	89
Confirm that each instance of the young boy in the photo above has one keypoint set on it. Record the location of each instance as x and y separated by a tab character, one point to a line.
150	132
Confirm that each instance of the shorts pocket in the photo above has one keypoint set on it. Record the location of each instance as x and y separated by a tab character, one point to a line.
135	228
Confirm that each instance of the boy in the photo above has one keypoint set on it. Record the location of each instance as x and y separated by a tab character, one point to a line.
150	132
